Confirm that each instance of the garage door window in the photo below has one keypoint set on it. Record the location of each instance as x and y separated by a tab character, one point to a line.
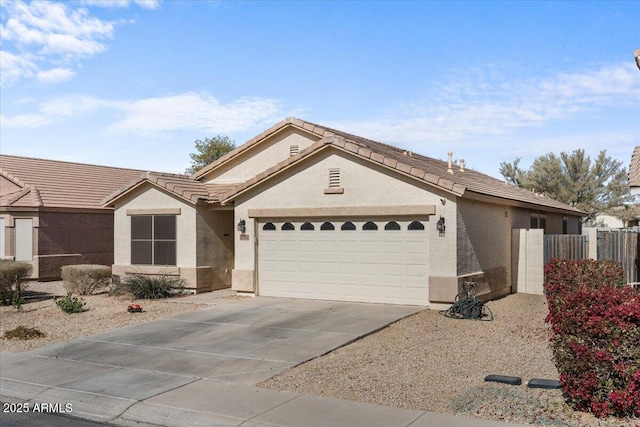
153	239
307	226
287	226
370	226
416	225
348	226
269	227
392	225
327	226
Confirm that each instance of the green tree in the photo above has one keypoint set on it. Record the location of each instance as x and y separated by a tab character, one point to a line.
572	178
208	151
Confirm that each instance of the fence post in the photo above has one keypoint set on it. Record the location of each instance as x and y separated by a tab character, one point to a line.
592	239
527	261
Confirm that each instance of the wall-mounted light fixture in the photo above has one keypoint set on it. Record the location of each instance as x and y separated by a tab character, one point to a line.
242	226
440	226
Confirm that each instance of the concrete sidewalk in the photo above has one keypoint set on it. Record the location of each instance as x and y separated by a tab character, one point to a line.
200	368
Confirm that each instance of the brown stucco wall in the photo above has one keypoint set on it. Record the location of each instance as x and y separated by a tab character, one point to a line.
66	238
214	246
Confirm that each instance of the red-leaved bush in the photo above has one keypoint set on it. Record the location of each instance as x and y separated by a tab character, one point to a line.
595	321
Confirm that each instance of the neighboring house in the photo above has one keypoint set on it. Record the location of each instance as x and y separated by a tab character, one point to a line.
51	215
634	172
306	211
615	218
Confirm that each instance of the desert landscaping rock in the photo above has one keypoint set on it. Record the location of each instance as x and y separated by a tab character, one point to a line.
103	313
425	362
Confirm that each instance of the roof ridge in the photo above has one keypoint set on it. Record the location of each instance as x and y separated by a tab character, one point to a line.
12	178
71	163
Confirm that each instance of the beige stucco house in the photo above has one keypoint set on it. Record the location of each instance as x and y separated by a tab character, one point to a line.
51	213
305	211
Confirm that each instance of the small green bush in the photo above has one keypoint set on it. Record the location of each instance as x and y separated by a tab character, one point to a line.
70	304
85	279
147	286
23	333
12	274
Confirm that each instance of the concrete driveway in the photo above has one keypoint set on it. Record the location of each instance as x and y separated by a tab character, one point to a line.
201	368
210	357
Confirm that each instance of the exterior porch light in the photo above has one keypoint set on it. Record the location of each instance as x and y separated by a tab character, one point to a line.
242	226
440	226
636	54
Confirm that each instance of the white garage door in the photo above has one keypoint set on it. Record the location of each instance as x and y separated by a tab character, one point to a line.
366	260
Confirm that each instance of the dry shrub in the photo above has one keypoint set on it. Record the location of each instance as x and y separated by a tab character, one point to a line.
85	279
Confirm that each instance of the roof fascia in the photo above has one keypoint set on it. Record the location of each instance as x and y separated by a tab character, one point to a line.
471	195
325	146
111	202
249	146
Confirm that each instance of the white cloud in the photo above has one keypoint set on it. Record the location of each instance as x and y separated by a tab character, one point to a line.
153	117
488	103
14	68
55	75
48	35
146	4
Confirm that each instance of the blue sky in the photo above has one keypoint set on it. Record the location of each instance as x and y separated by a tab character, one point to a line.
135	83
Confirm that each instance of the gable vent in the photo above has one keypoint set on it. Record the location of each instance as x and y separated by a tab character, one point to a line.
294	149
334	178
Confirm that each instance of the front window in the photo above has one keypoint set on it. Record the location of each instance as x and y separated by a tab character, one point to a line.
153	239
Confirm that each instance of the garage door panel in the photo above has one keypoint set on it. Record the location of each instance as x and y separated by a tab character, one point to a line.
389	266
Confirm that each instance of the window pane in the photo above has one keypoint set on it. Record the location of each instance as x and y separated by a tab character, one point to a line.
348	226
416	225
164	227
327	226
141	227
392	225
287	226
369	226
307	226
164	253
534	222
269	226
141	252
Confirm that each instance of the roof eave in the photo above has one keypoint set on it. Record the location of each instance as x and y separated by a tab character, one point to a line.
274	130
472	195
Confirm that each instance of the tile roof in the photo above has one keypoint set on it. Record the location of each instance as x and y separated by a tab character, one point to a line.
432	171
634	168
182	186
53	183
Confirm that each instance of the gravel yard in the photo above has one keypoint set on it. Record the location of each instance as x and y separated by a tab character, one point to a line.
433	363
103	313
426	361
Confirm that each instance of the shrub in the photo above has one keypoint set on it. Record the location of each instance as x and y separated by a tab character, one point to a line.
12	274
596	336
23	333
69	304
147	286
85	279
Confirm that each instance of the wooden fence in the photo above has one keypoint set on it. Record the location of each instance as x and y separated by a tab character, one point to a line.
617	245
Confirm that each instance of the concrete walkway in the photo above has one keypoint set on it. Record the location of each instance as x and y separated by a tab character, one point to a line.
201	368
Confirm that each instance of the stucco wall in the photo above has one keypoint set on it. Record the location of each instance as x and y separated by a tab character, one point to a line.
214	245
484	246
66	238
365	184
263	156
154	198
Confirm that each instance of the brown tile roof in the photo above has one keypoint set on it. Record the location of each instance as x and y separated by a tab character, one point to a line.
53	183
432	171
182	186
634	168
